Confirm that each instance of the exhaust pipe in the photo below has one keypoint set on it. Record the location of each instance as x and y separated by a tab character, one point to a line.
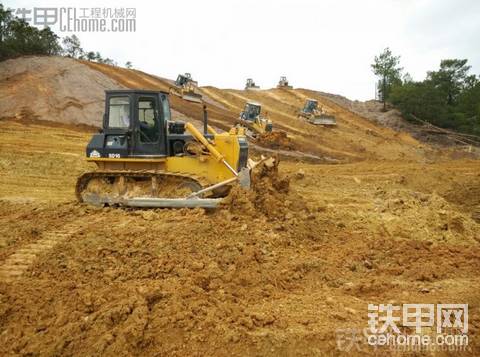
205	120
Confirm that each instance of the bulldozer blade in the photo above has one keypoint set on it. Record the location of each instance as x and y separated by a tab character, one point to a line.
197	98
244	178
152	202
147	202
324	120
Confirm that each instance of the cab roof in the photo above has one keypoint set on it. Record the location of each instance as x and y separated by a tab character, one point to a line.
134	91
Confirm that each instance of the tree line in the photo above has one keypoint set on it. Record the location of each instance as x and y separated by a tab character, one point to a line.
449	97
18	38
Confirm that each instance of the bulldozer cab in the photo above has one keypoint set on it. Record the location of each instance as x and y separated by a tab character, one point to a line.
310	106
283	83
251	111
183	79
135	123
251	84
144	159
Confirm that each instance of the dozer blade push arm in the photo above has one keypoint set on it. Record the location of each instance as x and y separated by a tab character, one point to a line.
243	177
218	156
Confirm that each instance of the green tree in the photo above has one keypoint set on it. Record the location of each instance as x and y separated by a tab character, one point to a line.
5	18
420	100
18	38
72	47
90	55
49	42
386	67
448	98
469	103
98	57
128	65
407	78
452	78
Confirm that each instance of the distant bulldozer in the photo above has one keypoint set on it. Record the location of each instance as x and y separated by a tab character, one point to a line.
250	85
283	83
252	119
312	114
185	88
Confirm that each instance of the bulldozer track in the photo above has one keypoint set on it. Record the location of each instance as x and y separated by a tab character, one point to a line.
17	264
83	180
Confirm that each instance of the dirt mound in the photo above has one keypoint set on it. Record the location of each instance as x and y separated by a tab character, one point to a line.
272	197
53	88
275	140
267	195
406	212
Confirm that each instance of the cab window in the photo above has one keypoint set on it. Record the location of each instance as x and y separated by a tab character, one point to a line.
166	108
148	120
119	112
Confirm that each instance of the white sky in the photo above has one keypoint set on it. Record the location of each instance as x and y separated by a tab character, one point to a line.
322	45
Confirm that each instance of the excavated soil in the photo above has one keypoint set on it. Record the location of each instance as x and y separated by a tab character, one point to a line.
276	271
275	140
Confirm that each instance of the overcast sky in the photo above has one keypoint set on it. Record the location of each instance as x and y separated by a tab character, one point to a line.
321	45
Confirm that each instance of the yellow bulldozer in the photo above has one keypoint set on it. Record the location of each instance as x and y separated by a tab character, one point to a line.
252	119
283	83
250	85
315	115
186	88
144	159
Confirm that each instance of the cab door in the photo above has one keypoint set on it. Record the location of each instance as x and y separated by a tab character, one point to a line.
149	130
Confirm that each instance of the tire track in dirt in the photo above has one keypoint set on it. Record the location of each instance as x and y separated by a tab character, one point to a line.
18	263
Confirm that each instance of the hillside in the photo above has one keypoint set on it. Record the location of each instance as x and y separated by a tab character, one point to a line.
52	88
70	91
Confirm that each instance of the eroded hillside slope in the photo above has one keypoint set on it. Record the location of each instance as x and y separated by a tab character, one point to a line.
69	91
